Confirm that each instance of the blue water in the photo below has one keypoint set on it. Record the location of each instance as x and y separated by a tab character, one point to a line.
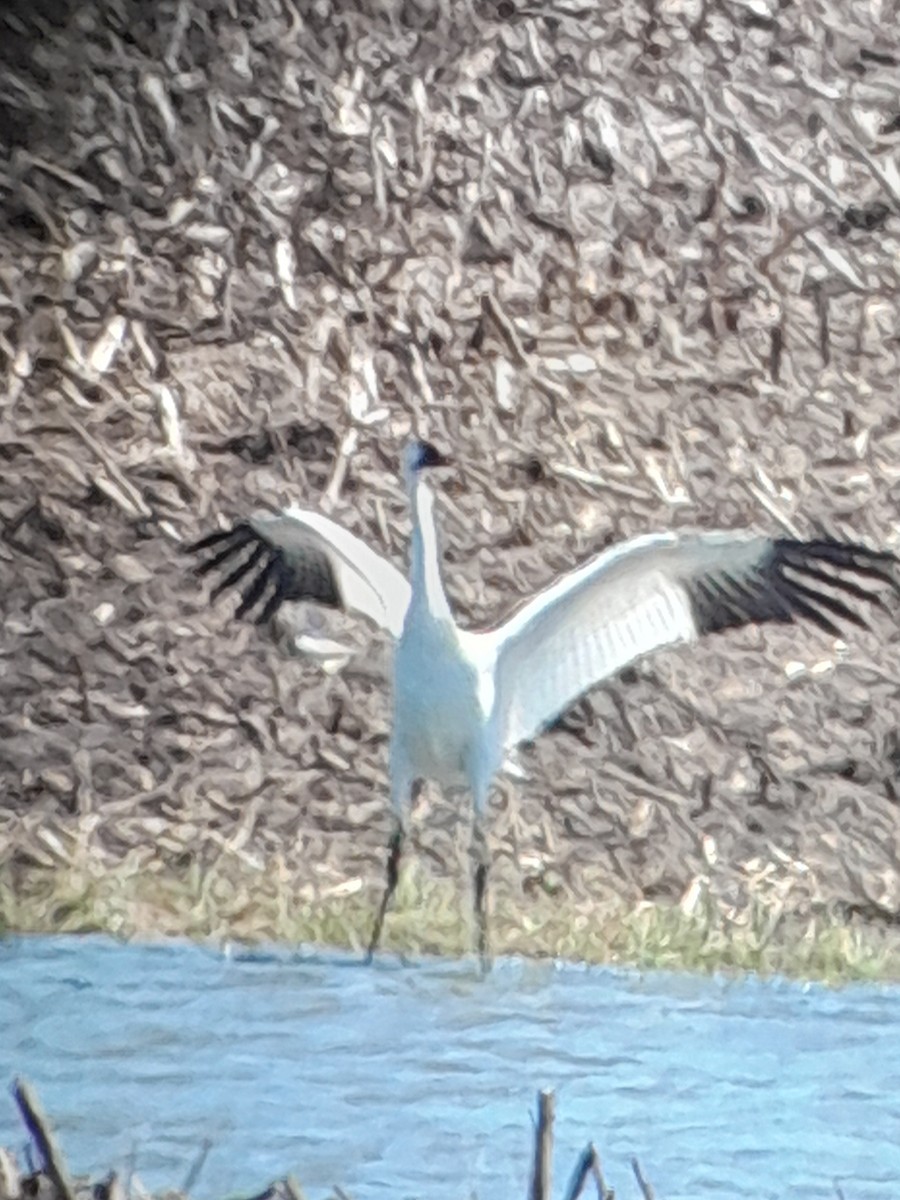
419	1081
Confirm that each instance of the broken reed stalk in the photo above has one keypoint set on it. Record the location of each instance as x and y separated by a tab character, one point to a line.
56	1172
196	1166
39	1129
541	1182
646	1189
588	1165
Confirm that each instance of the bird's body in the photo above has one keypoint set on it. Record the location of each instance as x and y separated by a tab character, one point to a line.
463	700
439	714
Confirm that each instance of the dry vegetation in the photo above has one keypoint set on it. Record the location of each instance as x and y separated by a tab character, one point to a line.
636	263
52	1180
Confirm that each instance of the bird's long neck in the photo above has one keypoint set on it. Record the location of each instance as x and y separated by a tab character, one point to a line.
425	568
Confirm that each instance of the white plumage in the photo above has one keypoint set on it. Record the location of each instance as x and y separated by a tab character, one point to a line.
462	699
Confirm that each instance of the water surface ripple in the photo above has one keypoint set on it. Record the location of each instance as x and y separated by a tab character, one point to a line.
419	1081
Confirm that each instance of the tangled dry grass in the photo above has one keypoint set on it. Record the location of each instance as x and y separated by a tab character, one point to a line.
636	263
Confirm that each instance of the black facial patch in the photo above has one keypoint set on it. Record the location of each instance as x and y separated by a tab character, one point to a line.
428	456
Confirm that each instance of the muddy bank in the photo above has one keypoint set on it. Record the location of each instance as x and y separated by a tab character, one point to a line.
637	267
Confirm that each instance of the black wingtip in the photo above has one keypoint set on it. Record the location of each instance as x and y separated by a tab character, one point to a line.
269	577
230	540
814	580
854	556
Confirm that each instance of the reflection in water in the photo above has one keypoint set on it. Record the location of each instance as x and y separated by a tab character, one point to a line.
419	1081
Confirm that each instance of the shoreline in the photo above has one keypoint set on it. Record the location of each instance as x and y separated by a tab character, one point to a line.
233	902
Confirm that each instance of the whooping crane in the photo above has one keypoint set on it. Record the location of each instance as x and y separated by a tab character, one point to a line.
463	700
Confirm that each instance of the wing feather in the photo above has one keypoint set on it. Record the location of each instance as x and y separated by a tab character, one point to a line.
659	590
296	555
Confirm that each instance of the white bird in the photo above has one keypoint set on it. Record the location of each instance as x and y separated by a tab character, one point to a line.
463	700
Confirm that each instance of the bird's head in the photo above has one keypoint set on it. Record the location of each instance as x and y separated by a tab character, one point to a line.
418	457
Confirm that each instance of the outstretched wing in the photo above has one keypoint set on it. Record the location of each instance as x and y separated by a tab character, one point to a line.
297	554
658	590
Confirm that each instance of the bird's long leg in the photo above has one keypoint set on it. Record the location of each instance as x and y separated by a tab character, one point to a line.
394	852
481	863
403	791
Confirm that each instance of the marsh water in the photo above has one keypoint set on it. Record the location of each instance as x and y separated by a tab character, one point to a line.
419	1080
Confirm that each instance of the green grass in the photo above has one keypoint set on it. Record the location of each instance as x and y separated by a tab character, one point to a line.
233	901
